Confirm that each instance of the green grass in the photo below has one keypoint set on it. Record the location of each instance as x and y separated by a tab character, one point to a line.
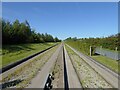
13	53
0	61
84	48
110	63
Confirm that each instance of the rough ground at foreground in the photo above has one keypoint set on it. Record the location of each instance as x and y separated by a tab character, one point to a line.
58	71
22	77
89	77
40	79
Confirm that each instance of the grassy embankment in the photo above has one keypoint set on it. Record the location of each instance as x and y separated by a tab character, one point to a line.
84	48
110	63
12	53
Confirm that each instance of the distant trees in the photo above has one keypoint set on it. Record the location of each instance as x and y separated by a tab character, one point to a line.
57	40
69	38
16	32
74	38
110	42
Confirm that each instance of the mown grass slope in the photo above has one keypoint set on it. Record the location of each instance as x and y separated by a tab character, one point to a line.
110	63
12	53
80	46
84	48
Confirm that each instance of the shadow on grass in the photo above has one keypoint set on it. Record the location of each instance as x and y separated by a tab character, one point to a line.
96	54
11	83
19	47
16	48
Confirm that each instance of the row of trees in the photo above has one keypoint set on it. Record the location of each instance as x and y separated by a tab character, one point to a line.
110	42
16	32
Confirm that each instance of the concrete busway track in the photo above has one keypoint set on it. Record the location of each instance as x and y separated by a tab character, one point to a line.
58	70
6	68
73	79
41	78
10	70
110	76
68	77
9	73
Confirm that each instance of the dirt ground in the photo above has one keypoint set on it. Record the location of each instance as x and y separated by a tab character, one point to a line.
58	81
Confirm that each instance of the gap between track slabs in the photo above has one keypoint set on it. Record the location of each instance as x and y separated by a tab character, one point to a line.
111	77
73	77
40	80
66	86
44	77
66	81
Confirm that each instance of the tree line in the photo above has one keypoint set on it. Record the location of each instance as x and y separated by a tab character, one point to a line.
83	44
16	32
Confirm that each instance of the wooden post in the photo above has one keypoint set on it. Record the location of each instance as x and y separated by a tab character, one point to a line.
100	50
116	49
90	51
117	56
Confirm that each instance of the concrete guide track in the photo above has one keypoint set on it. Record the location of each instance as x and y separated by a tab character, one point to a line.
67	75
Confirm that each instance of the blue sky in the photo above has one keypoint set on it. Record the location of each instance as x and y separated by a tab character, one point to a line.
66	19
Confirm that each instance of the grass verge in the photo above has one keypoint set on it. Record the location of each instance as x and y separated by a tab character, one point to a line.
28	71
12	53
110	63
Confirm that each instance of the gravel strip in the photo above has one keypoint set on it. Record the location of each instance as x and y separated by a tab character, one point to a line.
89	77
